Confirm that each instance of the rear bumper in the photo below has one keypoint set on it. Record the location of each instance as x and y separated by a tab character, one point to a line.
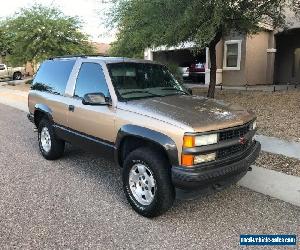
215	174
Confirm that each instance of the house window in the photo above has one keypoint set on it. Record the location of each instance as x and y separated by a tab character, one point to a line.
296	64
232	55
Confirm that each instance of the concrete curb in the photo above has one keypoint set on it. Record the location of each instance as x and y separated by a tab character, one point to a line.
278	146
275	184
266	88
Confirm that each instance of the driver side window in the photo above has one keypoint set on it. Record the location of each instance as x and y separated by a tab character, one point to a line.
90	79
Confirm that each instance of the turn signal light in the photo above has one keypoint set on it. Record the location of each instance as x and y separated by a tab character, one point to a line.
187	160
188	141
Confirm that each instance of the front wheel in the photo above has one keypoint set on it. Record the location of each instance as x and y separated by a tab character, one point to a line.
147	182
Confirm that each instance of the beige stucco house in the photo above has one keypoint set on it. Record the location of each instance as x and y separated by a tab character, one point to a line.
269	57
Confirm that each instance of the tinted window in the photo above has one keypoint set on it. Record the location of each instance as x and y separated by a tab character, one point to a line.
90	79
53	76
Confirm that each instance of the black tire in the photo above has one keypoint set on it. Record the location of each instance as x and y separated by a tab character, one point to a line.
17	76
164	195
57	146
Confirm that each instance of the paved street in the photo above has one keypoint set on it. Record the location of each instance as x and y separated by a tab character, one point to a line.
78	202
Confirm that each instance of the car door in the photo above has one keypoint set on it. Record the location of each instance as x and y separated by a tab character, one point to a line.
94	121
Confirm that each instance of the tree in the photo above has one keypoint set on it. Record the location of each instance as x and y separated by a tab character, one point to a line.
40	32
152	23
4	45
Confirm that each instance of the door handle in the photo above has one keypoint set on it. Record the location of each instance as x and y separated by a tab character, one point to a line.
71	108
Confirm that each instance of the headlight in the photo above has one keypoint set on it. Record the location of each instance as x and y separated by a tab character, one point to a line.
204	140
254	125
204	158
190	141
191	160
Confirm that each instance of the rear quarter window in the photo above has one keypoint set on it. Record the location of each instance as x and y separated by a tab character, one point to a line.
53	76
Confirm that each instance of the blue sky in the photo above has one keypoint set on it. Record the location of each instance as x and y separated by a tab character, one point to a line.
91	13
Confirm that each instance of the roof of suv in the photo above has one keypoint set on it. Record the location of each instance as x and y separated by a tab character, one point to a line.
104	59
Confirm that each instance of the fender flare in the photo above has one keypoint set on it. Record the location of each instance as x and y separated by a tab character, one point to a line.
149	135
43	109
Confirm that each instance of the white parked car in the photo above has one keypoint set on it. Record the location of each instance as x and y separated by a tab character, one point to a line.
185	71
15	73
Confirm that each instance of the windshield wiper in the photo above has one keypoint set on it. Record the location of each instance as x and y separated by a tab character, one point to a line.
179	90
142	92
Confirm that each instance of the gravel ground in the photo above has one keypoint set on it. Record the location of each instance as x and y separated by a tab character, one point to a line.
279	163
278	113
77	202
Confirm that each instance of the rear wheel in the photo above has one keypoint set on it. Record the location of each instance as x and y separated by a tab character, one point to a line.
51	147
147	182
17	76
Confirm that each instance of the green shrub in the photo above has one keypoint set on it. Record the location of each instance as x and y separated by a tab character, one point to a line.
175	70
28	81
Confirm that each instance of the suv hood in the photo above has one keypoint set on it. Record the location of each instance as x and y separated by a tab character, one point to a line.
199	113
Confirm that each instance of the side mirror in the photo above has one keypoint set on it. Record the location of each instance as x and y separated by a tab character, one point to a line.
95	99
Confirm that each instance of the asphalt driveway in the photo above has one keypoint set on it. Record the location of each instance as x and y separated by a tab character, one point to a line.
77	202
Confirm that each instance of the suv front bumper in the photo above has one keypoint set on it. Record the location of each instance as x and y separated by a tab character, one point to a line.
215	174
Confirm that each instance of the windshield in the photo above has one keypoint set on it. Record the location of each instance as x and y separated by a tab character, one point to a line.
143	80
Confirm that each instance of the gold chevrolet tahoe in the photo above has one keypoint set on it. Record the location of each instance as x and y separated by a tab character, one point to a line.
136	112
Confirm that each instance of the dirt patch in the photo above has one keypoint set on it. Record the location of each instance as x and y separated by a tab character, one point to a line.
279	163
20	87
278	114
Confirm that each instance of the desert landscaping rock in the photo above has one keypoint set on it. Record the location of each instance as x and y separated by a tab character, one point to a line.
278	146
279	163
278	114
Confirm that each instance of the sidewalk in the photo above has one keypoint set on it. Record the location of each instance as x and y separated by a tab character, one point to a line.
275	184
278	146
14	98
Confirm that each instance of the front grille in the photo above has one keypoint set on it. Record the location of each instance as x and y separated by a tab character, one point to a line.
234	133
229	151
